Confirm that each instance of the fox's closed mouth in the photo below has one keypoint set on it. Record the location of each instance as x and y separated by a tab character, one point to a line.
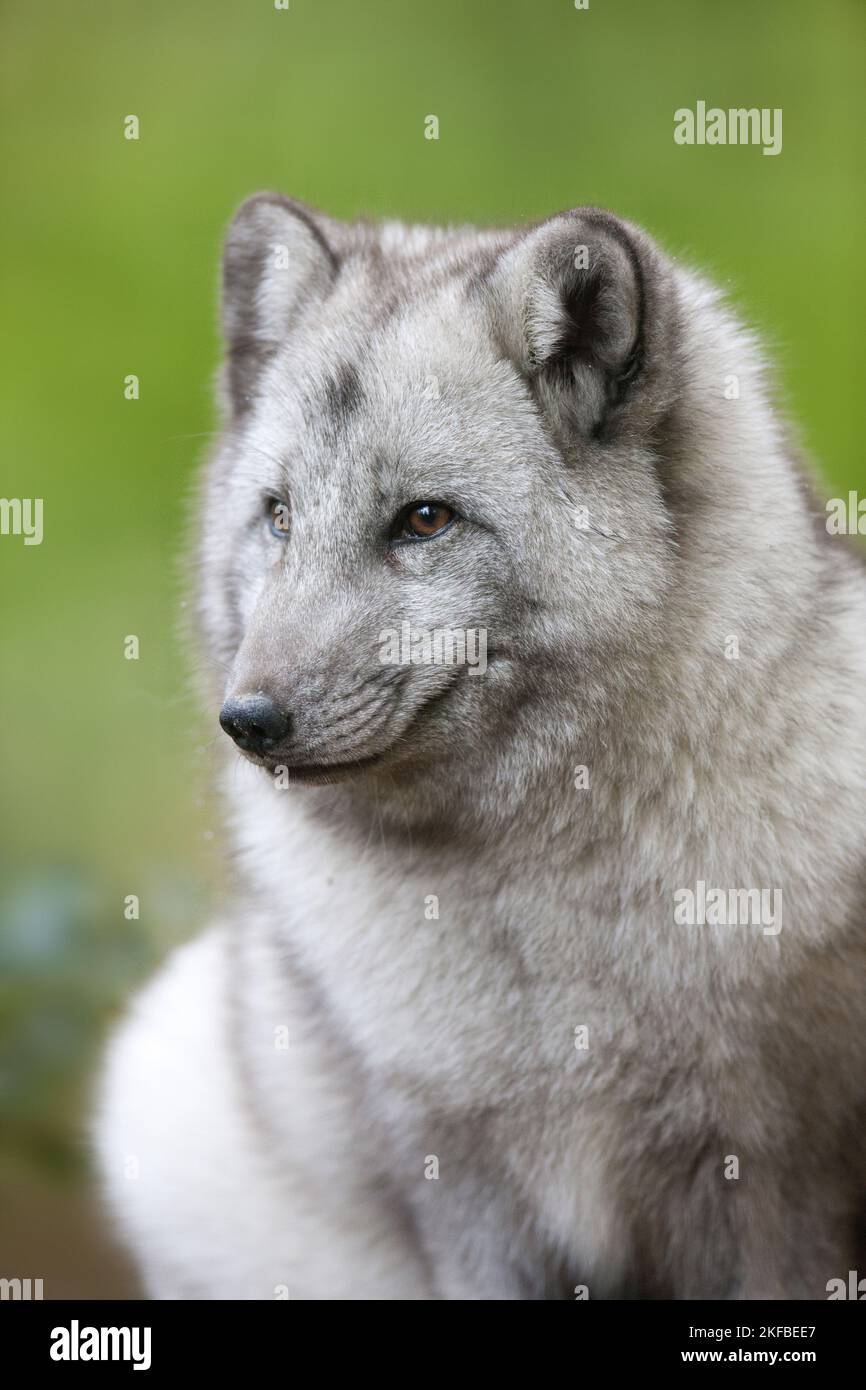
322	772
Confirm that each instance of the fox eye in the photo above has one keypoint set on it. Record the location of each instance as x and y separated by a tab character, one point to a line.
422	520
279	517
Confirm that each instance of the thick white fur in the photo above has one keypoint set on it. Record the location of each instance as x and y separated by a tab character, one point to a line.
307	1168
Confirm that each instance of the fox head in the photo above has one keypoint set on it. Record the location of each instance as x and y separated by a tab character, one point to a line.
432	432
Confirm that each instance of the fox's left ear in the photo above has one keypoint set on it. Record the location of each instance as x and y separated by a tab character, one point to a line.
584	309
279	257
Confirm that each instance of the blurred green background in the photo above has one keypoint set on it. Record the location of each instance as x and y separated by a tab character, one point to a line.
109	266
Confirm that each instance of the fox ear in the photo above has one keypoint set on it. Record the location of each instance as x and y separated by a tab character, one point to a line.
276	259
572	309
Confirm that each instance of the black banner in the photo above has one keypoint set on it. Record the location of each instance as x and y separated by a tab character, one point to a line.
160	1338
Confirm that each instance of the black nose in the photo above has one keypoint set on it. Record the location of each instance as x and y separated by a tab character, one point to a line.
255	723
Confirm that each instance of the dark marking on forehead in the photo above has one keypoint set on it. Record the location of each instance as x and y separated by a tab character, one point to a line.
343	394
405	281
480	270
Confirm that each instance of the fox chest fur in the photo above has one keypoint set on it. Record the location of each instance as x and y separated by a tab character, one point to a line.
534	1022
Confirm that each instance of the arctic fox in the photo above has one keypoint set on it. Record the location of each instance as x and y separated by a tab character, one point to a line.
461	1033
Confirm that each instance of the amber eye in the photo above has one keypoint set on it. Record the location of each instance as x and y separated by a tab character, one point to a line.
279	517
423	520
